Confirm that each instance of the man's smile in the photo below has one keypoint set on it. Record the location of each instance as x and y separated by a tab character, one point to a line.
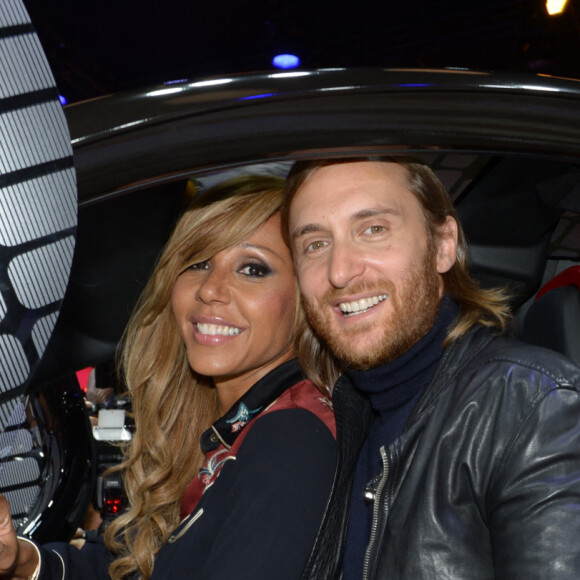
359	306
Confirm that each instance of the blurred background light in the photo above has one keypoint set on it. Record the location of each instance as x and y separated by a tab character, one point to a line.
286	61
555	6
62	100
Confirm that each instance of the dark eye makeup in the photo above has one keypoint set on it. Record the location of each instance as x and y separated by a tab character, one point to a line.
255	269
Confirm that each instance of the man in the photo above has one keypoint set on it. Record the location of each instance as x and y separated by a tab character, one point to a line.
470	468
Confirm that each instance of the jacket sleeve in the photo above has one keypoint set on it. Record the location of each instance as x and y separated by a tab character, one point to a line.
269	502
534	501
61	561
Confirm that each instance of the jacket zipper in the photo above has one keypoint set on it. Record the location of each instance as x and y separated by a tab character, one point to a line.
185	525
377	512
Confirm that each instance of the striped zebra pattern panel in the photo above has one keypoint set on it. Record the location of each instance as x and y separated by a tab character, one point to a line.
38	219
38	201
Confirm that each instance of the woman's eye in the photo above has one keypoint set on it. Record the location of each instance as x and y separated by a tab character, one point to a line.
373	230
199	266
255	270
317	245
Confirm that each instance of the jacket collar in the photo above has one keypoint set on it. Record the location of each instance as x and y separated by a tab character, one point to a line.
463	349
226	429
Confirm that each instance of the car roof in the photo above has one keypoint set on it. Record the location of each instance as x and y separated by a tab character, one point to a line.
507	147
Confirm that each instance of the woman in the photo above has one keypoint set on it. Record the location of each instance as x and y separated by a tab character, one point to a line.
208	356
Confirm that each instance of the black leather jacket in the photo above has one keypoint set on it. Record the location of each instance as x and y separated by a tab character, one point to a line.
484	481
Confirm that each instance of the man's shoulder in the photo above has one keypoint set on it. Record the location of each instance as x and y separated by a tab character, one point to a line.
505	379
510	355
502	372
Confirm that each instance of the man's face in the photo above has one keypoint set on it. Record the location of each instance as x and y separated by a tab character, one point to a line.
369	274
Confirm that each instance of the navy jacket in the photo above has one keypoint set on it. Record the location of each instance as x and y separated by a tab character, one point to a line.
258	520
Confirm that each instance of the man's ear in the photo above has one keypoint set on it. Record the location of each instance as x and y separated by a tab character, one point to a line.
446	245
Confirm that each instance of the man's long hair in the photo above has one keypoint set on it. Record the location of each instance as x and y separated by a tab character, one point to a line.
489	307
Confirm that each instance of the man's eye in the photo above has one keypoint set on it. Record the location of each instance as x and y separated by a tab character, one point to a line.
375	230
318	245
255	270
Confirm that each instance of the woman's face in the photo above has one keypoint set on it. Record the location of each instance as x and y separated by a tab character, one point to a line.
235	311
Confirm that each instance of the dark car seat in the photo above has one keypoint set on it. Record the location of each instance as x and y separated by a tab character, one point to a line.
553	320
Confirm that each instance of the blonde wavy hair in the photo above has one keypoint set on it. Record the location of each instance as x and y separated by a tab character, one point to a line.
172	405
489	307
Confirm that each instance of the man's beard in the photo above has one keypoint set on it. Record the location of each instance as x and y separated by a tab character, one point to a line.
414	311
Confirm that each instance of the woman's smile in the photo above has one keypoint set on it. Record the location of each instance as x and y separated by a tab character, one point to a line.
213	332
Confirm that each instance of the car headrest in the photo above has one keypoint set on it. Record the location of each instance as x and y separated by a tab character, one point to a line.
553	320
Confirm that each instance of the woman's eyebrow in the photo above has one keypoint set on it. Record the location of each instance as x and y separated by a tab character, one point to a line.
248	246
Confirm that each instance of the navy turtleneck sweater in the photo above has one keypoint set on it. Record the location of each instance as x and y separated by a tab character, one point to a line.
393	390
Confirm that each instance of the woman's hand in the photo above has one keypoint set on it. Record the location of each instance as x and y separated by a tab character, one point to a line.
18	559
9	549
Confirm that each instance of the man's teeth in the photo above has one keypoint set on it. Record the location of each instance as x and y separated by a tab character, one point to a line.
216	329
362	305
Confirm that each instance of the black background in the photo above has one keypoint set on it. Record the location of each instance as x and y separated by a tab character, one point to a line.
101	46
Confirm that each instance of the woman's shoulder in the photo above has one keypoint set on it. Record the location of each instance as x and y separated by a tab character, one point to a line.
290	438
305	395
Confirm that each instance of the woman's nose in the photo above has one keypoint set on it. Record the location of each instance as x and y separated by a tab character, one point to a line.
214	287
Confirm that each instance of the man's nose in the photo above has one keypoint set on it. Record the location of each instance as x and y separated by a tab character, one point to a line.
214	287
345	265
